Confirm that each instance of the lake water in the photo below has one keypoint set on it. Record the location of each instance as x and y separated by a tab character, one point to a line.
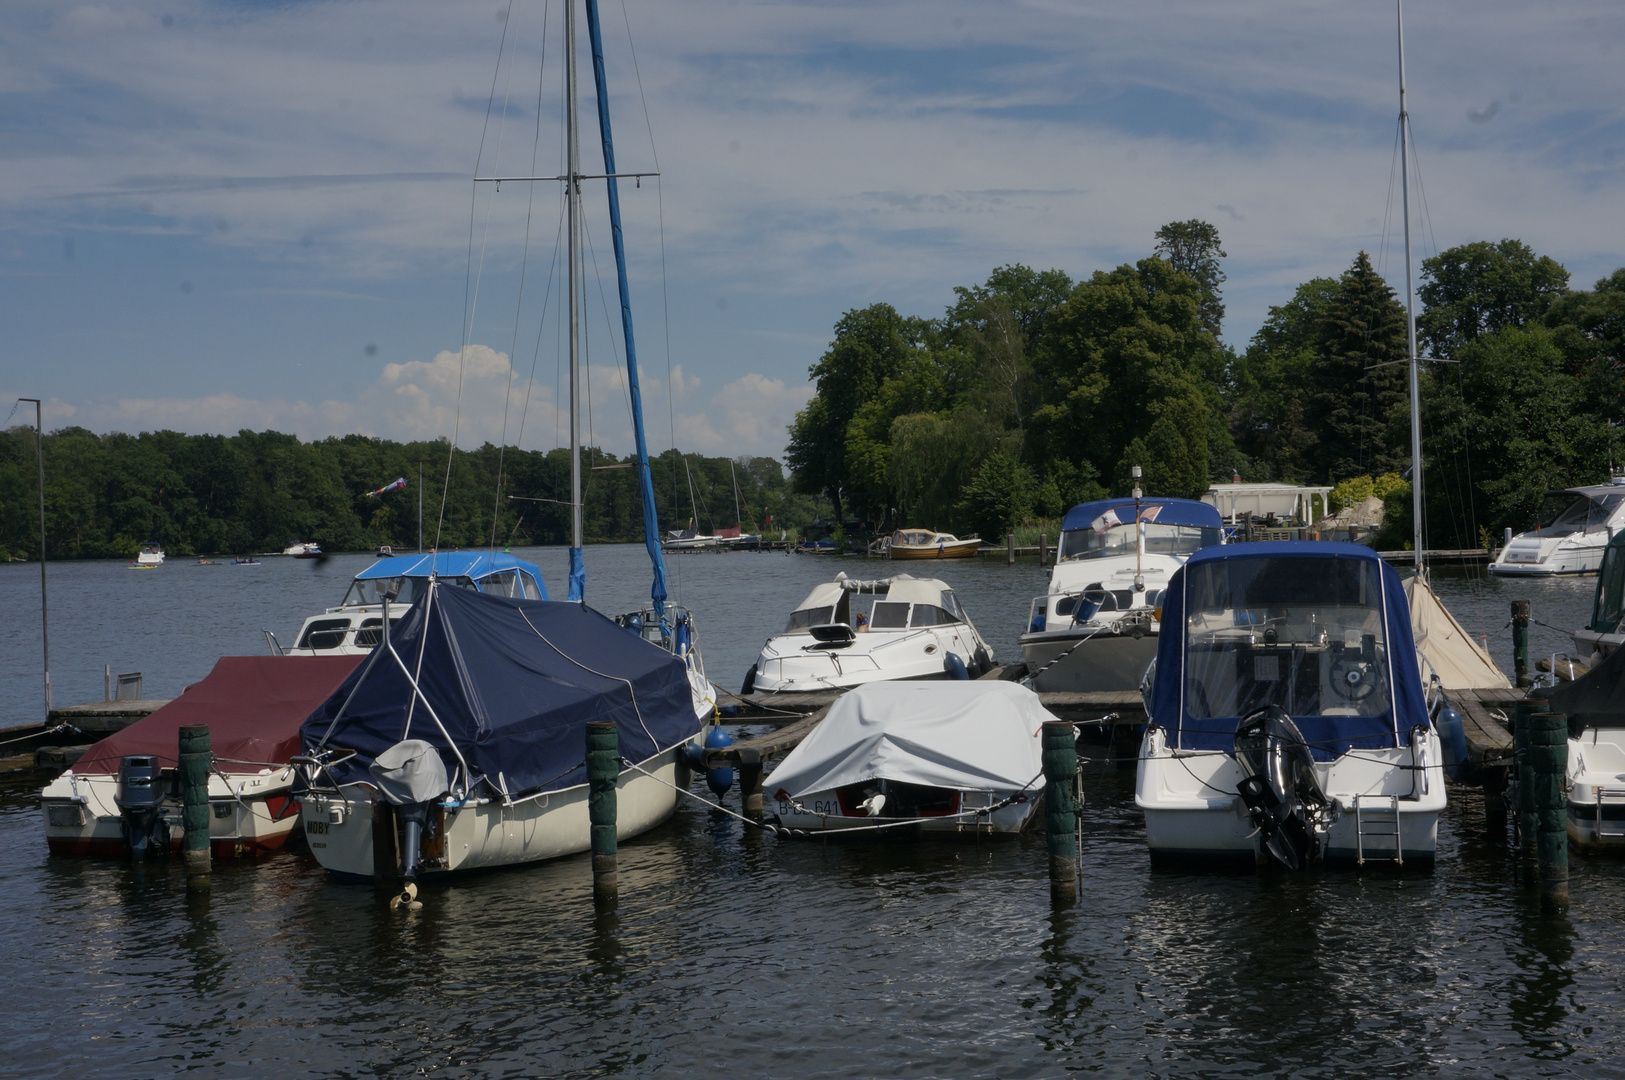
734	953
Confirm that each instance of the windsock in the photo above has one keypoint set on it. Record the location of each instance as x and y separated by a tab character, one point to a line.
396	486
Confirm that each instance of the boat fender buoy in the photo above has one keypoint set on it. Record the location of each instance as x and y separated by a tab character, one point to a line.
720	779
984	661
954	666
1453	740
634	623
750	682
693	755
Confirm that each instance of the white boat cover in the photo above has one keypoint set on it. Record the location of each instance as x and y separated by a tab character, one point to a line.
974	736
902	587
1444	648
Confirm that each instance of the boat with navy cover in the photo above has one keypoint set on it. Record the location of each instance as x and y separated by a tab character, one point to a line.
123	795
1288	718
931	758
1096	628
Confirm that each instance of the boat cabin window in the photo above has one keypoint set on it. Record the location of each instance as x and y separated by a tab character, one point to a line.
1304	634
800	620
889	615
931	615
951	602
1584	514
501	583
1610	600
324	634
370	591
1119	540
371	632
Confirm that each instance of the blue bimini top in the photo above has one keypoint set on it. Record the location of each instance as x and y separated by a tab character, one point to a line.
1321	629
1170	512
508	687
407	576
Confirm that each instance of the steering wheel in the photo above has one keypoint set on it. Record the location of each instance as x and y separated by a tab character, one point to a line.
1353	679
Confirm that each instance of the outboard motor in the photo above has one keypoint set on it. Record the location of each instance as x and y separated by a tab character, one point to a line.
140	801
410	776
1280	790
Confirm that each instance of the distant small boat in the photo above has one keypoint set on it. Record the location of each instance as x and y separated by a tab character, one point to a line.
309	550
151	554
385	551
688	540
201	561
240	561
926	544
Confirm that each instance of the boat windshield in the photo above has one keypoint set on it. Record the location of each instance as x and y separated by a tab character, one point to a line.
370	591
1119	540
806	617
1585	514
1304	634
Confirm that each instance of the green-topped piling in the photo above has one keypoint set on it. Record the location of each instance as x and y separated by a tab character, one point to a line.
195	760
1061	809
1549	756
603	769
1520	642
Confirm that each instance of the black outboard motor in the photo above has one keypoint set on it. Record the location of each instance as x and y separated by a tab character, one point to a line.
410	776
140	801
1280	789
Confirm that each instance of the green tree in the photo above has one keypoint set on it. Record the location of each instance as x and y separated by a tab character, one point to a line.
996	497
1479	288
1174	453
1192	248
1269	418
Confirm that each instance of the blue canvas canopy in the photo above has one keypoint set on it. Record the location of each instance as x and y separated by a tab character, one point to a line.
1172	512
513	683
1402	705
448	564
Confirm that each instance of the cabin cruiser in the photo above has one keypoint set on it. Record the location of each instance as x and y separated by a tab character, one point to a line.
1573	541
1288	721
1594	778
353	627
915	629
123	795
151	554
305	550
1096	629
926	544
930	758
1600	637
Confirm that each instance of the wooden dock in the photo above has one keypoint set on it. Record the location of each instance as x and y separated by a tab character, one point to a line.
1457	555
46	745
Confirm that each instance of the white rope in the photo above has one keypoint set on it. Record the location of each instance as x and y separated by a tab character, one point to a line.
614	678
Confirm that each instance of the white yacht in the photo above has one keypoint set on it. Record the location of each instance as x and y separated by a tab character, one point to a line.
914	629
151	554
353	628
1096	628
1288	720
1572	542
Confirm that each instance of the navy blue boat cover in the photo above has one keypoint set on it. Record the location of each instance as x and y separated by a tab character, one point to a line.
1328	736
514	682
1171	512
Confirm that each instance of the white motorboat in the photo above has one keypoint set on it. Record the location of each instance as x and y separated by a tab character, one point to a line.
1573	540
688	540
1595	706
305	550
123	795
354	627
935	758
151	554
1288	720
1096	628
1600	637
929	544
914	629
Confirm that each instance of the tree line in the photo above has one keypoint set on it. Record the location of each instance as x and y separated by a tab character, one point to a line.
1034	392
261	491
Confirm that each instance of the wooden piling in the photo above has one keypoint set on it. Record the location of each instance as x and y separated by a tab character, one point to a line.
195	760
1548	749
1520	642
603	769
1010	547
1061	809
1528	820
750	781
1043	550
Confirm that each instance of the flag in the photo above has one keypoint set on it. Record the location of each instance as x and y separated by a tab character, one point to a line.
1104	522
396	486
1149	513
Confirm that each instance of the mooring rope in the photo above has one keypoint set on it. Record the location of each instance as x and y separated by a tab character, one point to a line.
64	726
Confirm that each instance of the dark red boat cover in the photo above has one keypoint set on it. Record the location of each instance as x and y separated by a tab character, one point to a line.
253	706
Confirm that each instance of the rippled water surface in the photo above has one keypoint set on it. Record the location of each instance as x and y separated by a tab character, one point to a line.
737	954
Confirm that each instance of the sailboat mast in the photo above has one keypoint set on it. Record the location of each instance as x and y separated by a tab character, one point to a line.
1410	303
572	185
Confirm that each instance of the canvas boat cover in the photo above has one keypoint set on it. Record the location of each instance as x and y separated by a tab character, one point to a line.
1444	648
1594	700
974	736
1329	736
253	706
512	685
1172	512
905	588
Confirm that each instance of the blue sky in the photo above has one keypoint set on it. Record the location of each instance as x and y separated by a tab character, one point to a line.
224	215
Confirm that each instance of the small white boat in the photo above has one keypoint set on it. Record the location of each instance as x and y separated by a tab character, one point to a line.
688	540
1096	629
354	627
1288	720
1595	707
306	550
915	629
123	794
151	554
1572	541
928	544
934	758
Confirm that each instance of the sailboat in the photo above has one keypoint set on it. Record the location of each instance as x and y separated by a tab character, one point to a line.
459	744
1289	718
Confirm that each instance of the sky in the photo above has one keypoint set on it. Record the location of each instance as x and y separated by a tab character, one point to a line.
225	214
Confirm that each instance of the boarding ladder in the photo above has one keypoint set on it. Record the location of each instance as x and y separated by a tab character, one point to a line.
1376	818
1612	794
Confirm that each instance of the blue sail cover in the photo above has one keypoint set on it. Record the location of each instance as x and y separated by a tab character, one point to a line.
510	681
1329	736
1173	512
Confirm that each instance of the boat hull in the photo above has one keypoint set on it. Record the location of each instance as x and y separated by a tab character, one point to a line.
821	812
1596	795
1103	663
960	549
487	835
255	816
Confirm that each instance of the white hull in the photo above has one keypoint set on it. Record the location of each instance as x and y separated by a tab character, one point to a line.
1192	812
1596	795
790	663
821	812
485	835
256	814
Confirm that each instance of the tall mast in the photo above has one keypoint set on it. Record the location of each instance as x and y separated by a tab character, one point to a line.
572	184
1410	303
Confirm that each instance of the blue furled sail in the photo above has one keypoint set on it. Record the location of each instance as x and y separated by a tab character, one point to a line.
651	526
